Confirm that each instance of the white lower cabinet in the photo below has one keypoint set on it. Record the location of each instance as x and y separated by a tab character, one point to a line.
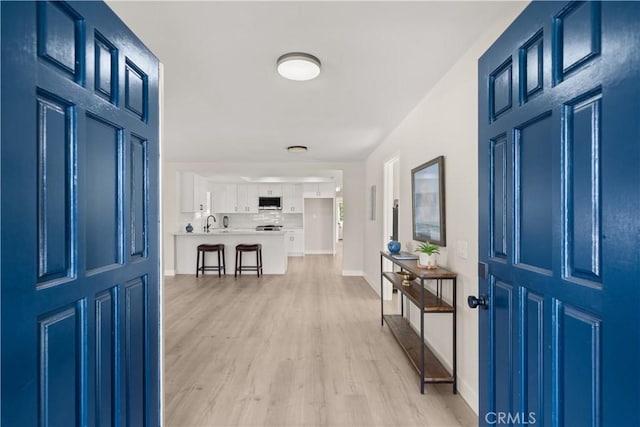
295	242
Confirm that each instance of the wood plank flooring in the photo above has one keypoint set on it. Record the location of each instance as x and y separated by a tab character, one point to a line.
304	349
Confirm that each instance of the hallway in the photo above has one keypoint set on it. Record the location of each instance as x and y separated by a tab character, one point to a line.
304	349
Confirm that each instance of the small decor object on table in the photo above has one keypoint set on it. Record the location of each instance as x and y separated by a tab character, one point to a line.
189	228
407	278
428	255
393	246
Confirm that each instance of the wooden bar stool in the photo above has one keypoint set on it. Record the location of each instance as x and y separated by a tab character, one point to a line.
203	249
257	248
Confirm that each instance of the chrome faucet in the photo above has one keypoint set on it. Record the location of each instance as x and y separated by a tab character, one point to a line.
209	226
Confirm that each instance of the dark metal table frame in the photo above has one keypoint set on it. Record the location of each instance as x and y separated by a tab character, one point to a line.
426	363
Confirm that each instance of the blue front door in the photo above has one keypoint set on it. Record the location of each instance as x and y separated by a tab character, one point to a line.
79	189
559	221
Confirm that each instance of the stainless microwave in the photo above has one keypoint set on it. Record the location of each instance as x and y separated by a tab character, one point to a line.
269	203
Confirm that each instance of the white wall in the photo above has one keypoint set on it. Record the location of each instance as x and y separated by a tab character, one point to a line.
354	211
353	194
443	123
318	226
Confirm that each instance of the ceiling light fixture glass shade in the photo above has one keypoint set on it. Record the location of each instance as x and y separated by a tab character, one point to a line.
297	148
298	66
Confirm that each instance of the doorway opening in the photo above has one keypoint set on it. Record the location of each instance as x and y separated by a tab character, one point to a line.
319	228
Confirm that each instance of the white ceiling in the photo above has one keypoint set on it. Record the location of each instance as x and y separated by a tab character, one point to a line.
224	100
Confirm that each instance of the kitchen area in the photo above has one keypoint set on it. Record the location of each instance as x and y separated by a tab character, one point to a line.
232	211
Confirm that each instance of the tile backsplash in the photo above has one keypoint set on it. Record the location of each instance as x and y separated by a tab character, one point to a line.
198	220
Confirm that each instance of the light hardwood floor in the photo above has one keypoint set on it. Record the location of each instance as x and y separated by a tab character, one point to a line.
304	349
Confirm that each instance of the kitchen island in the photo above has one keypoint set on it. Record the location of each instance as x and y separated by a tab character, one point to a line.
274	250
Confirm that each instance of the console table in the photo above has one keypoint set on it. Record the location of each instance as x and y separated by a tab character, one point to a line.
429	367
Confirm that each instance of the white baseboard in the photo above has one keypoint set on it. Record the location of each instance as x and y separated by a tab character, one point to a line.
295	254
464	389
352	273
318	252
169	272
468	394
374	286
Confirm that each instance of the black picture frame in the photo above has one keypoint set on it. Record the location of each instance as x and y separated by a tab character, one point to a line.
428	202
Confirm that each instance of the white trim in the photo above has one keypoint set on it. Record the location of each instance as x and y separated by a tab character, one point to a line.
169	272
318	252
466	392
352	273
298	254
469	394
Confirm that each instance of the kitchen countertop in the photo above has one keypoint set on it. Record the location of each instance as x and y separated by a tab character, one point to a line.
232	232
274	248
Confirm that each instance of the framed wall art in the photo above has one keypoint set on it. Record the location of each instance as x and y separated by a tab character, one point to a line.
427	188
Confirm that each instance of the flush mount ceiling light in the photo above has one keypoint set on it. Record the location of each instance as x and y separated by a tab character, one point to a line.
297	148
298	66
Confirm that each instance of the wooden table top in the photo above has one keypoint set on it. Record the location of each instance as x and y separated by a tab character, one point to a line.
411	265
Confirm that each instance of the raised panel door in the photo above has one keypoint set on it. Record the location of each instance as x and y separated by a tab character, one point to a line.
558	217
79	219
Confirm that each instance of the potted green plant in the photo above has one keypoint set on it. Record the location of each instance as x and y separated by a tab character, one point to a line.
428	255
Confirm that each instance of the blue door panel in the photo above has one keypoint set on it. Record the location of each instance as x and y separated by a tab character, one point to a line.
583	188
136	324
105	68
135	90
532	374
576	37
577	349
500	89
61	36
56	172
498	185
533	147
106	381
138	195
62	376
103	160
531	67
504	313
79	267
568	125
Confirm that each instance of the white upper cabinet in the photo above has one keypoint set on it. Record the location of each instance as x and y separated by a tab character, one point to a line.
234	198
247	198
218	202
230	198
324	190
270	190
193	192
292	198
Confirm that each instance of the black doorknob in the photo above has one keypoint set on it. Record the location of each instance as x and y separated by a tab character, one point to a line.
480	301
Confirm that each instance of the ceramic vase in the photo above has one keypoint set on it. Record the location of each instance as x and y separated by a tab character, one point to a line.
393	246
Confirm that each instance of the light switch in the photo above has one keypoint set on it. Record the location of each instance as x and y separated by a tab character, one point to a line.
462	249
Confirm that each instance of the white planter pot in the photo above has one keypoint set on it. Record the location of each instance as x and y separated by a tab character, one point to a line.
428	261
